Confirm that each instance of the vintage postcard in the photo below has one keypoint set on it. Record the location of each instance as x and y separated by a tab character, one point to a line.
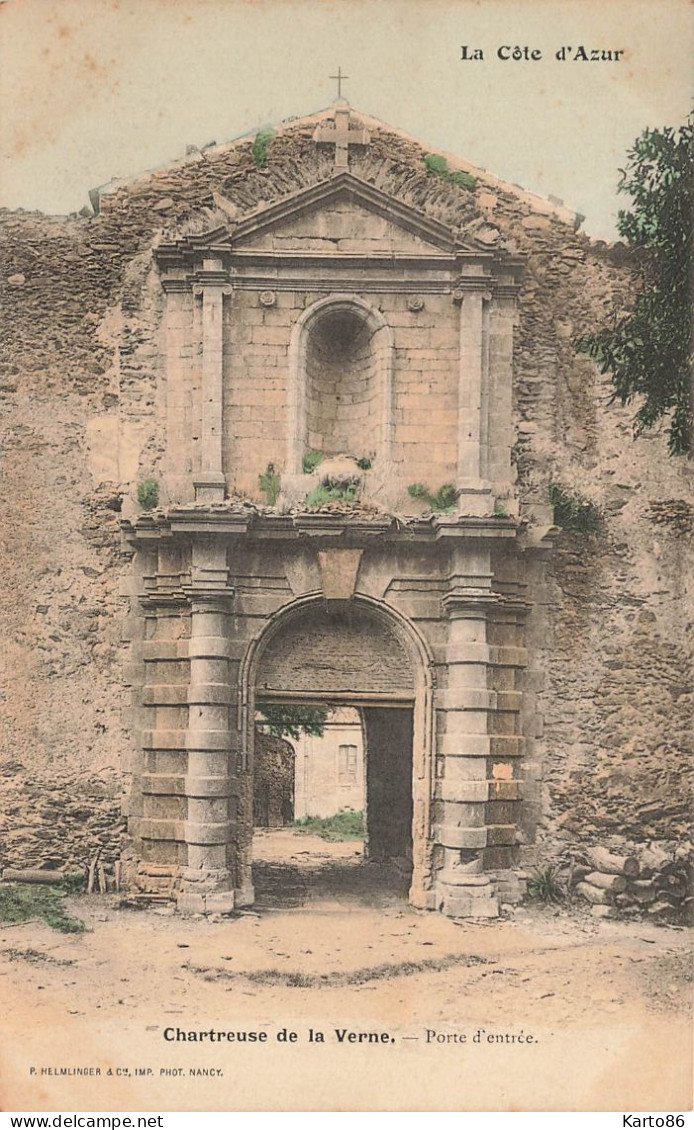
346	590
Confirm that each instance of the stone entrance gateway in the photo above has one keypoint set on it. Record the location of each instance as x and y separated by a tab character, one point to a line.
240	609
337	524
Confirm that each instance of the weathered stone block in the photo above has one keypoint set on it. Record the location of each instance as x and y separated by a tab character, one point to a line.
455	837
458	905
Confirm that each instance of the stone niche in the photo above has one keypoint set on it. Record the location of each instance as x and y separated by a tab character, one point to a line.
345	372
339	321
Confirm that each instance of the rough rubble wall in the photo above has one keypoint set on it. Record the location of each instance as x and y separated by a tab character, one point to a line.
60	609
273	781
618	697
81	350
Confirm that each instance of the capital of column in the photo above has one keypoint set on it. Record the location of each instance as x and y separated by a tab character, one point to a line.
469	287
461	601
206	599
211	272
211	283
167	599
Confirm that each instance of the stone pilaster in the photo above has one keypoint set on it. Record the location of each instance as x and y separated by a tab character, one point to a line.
179	366
497	425
474	496
211	284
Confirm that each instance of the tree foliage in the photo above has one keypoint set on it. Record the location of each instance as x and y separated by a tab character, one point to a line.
293	721
648	350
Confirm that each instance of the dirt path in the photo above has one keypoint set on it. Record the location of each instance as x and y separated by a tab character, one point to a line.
605	1005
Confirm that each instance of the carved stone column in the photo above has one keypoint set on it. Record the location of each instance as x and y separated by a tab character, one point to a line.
211	284
210	785
464	745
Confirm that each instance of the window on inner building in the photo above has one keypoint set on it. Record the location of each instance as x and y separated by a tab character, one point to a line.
347	764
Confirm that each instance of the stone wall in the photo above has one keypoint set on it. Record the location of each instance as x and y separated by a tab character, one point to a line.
84	420
256	387
273	781
256	390
66	821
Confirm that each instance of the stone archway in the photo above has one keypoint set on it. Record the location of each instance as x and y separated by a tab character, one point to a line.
367	655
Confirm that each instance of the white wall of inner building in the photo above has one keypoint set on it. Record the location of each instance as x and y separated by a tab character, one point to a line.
329	770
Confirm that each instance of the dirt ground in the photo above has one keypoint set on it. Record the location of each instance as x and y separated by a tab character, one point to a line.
541	1010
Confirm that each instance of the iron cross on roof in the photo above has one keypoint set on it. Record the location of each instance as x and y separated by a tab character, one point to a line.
340	79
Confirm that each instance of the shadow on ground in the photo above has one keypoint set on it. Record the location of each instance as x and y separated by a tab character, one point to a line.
291	870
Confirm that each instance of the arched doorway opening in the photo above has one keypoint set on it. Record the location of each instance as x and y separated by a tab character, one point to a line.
357	657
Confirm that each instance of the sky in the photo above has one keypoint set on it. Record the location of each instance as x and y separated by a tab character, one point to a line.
95	89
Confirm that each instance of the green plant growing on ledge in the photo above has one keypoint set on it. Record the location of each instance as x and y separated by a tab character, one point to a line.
148	494
572	512
332	490
444	499
261	144
364	464
500	510
270	484
311	460
544	886
438	166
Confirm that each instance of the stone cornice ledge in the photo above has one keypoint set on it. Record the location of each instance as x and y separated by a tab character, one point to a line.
465	598
221	521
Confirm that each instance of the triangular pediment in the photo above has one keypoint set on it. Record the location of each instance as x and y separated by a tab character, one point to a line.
343	214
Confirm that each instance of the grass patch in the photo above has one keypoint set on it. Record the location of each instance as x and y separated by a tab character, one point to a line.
270	484
444	499
346	825
295	979
261	144
544	886
148	494
311	460
438	167
22	901
573	512
333	490
35	957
